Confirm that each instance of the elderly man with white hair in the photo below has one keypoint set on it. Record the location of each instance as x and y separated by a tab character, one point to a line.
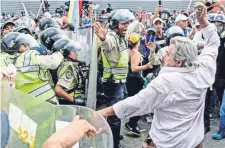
177	95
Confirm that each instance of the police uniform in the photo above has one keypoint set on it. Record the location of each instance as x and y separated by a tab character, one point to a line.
115	69
115	54
69	78
32	74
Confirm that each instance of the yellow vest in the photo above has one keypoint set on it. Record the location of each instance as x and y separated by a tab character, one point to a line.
77	90
30	77
121	70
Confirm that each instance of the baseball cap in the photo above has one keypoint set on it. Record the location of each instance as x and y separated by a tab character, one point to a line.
181	17
134	38
157	19
7	23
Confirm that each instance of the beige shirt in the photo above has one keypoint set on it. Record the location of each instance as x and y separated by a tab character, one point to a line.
177	99
50	61
69	77
113	42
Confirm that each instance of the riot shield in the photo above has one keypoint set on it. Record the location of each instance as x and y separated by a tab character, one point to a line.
84	37
32	122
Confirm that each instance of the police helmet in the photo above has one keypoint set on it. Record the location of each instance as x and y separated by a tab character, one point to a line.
120	16
47	23
165	14
73	47
151	31
219	18
166	11
60	44
211	17
12	42
50	36
22	29
173	32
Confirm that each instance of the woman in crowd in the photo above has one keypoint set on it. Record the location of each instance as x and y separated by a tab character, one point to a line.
135	80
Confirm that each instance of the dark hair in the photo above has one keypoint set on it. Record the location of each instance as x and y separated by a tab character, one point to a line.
131	45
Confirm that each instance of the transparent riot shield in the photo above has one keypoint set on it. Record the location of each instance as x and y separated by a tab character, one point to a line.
84	37
32	122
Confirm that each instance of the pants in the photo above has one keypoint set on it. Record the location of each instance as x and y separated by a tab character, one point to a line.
115	93
210	100
222	116
219	86
134	85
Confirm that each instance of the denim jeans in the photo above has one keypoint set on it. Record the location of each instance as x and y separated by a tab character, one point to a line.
222	116
4	129
115	93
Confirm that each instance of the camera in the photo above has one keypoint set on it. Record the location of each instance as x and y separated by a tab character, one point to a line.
109	9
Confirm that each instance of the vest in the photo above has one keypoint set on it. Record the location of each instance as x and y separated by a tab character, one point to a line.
77	89
32	79
120	71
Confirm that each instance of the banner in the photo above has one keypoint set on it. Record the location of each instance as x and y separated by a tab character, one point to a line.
73	14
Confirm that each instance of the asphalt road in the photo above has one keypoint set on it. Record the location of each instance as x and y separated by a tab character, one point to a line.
130	142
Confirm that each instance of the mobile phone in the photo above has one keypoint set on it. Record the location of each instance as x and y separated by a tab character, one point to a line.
150	38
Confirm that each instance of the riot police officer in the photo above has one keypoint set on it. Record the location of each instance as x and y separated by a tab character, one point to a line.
47	23
50	36
219	21
165	15
31	67
69	85
115	59
22	29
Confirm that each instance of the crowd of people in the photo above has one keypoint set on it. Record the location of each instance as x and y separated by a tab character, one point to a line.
169	71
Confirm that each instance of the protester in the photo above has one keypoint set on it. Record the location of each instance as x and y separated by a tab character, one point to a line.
173	105
135	78
40	57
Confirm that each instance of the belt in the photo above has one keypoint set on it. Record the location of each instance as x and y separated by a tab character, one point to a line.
114	81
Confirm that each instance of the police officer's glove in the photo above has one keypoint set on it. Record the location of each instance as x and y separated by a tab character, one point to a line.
79	101
65	53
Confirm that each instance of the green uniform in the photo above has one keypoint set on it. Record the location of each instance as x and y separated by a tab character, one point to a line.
69	78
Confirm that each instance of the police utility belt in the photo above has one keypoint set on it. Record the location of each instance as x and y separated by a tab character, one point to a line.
114	71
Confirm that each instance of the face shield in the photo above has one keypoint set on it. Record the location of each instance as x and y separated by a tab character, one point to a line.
32	42
165	16
76	52
219	26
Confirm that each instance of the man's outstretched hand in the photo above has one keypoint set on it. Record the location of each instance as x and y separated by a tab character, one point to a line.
201	14
100	31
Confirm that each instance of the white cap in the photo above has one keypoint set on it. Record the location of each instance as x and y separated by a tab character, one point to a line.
158	19
181	17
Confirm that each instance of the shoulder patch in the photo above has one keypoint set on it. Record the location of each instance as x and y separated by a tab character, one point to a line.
69	74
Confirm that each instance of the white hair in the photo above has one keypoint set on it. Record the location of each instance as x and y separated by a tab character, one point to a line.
186	50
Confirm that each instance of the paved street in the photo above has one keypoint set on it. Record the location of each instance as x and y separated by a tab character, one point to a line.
130	142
